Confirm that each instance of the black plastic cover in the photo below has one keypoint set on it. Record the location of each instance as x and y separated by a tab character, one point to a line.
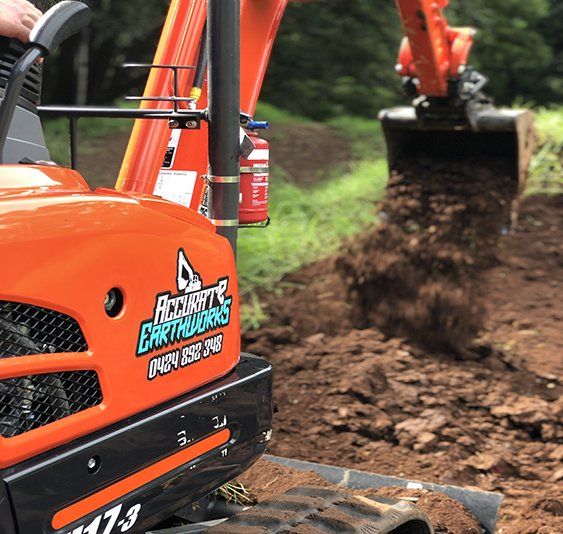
62	21
241	402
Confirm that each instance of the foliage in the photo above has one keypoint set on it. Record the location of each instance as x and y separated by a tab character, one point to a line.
335	57
546	173
120	32
332	57
515	46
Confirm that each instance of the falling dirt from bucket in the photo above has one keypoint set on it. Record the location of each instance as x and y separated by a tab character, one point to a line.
417	274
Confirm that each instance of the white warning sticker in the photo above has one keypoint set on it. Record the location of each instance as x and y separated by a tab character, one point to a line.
172	148
259	154
176	186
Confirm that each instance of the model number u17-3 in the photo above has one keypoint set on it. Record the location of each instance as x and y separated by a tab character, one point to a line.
185	356
113	524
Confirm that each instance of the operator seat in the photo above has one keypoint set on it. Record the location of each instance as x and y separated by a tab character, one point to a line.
26	141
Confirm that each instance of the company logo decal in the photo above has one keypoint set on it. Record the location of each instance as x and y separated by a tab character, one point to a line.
194	311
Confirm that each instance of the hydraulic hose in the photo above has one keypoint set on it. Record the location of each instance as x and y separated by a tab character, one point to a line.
201	68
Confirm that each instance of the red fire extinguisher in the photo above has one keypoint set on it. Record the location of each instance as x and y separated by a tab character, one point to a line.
254	180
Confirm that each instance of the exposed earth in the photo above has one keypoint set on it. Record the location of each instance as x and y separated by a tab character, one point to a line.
488	414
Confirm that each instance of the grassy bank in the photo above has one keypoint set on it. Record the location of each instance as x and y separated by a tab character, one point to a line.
311	223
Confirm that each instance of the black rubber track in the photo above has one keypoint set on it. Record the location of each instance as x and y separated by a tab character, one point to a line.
311	510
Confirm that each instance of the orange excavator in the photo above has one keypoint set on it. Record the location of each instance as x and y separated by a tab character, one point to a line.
124	395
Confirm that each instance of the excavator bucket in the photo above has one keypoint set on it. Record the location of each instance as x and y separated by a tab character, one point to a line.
505	137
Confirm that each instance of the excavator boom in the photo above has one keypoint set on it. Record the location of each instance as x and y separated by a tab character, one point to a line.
431	53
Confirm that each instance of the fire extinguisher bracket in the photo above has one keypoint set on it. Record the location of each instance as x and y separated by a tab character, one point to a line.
235	179
257	170
256	226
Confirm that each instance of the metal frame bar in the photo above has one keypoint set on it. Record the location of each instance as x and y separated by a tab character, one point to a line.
119	113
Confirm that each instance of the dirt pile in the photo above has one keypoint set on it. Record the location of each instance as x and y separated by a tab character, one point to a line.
446	515
382	405
417	274
356	396
489	415
266	480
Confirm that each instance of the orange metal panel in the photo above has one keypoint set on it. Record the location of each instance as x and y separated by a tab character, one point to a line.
260	21
67	249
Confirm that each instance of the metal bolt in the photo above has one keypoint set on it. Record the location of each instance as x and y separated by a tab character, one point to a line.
173	123
94	464
191	125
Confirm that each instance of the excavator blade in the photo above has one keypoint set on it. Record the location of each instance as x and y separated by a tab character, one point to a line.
502	136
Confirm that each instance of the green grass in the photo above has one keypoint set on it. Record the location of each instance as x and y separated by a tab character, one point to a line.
546	172
275	115
309	224
366	135
306	225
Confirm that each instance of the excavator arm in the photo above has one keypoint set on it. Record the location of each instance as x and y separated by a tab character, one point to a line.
432	54
179	45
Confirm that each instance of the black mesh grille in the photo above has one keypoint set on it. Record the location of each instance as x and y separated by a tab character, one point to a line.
10	51
26	330
34	401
